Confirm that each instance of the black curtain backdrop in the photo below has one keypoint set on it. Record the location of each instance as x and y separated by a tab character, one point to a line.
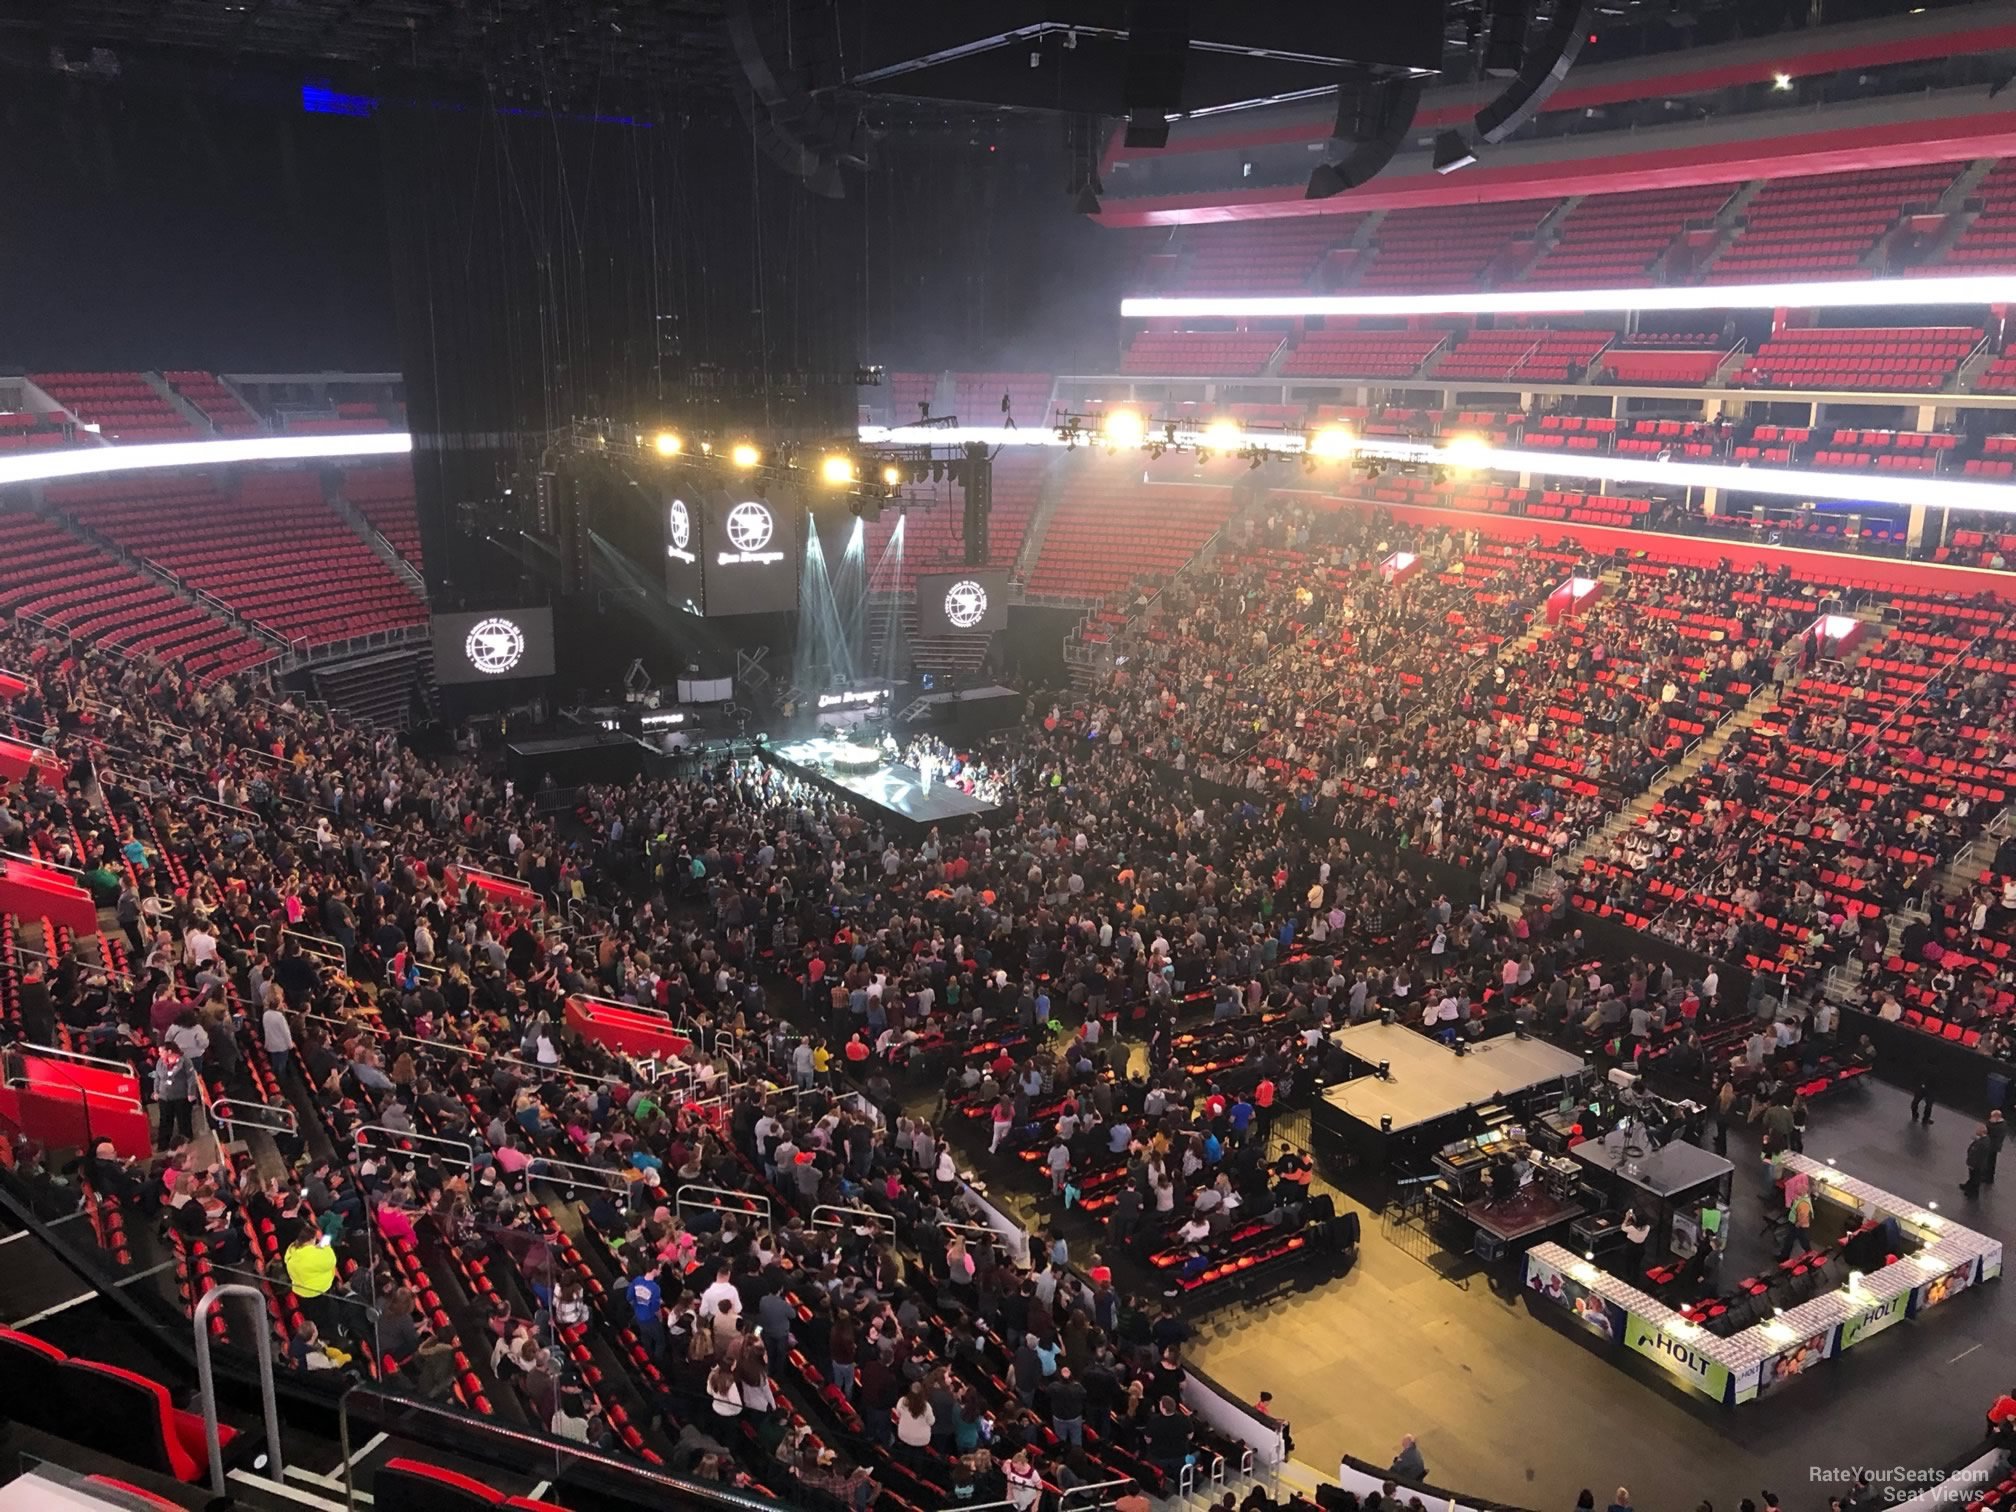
151	228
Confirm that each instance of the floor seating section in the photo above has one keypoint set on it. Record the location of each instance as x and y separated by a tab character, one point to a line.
49	573
225	411
1825	226
1360	354
1884	357
1110	524
125	406
265	543
1612	241
384	496
1448	247
1202	354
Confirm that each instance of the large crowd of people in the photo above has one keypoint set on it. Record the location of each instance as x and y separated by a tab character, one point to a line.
1196	855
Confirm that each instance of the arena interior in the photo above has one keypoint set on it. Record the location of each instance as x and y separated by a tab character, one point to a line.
887	758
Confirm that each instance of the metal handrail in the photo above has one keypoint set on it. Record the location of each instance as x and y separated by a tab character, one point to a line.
609	1180
231	1112
1064	1503
748	1204
206	1383
465	1148
851	1216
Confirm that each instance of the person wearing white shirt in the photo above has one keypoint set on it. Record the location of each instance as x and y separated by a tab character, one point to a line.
199	946
721	1288
279	1036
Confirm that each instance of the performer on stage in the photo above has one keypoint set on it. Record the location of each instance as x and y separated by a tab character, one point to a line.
927	763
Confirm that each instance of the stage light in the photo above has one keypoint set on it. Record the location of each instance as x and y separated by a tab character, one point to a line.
745	454
1781	81
1123	427
1466	453
1331	443
1859	294
1452	152
668	444
706	448
1222	434
836	470
892	475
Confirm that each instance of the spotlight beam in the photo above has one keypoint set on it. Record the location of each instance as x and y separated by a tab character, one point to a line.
1870	293
1780	482
95	461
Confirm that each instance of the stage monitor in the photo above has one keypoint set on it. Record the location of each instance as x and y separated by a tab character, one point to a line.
752	555
972	601
493	645
680	516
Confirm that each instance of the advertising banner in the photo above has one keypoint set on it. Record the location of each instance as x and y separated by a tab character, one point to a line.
1788	1364
1590	1312
1873	1319
1930	1293
1679	1357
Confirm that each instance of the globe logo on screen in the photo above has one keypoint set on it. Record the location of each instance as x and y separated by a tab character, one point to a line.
749	526
965	604
494	646
682	524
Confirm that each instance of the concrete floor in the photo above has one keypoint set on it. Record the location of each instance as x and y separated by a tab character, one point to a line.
1508	1407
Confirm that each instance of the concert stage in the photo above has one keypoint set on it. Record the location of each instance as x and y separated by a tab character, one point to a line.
859	773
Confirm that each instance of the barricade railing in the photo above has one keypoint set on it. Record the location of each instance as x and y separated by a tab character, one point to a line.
742	1204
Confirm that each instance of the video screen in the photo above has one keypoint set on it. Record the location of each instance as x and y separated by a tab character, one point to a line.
680	516
752	555
972	601
493	645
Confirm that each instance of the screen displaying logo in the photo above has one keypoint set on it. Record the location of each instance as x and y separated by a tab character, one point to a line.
494	646
679	526
749	528
965	604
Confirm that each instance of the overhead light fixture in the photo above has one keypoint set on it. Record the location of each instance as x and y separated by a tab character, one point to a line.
1871	293
1123	427
1222	434
892	475
744	454
1452	151
836	470
1331	443
1781	81
668	443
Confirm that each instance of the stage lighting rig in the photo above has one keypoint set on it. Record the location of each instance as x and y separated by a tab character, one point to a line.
668	443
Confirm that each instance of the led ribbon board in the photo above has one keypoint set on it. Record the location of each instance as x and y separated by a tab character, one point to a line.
95	461
1863	294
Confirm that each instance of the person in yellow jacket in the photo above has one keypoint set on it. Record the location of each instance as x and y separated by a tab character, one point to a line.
311	1271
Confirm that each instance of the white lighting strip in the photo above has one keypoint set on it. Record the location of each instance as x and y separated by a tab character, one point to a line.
1780	482
1853	294
95	461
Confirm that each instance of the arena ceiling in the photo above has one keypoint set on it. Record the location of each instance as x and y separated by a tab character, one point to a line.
574	53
